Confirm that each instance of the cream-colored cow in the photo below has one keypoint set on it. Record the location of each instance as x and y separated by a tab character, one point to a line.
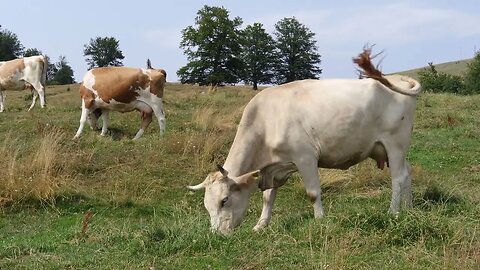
122	89
304	125
19	74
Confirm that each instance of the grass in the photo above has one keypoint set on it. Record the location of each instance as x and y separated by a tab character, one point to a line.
113	203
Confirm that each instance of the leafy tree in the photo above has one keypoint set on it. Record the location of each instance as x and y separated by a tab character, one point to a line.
212	48
258	54
64	73
437	82
32	52
102	52
472	77
10	46
298	56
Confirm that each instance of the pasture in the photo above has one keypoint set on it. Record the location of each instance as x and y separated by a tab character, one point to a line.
113	203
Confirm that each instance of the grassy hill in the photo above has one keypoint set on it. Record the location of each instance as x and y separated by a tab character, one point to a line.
113	203
454	68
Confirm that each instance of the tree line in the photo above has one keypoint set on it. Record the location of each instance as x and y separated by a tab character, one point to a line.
219	52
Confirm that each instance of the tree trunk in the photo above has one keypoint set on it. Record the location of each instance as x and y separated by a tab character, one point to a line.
255	86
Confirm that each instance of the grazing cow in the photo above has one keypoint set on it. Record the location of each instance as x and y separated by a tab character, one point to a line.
29	72
310	124
122	89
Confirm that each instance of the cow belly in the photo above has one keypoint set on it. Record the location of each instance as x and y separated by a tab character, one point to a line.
115	106
12	85
342	163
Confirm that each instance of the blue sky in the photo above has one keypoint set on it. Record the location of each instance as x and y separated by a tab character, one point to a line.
412	33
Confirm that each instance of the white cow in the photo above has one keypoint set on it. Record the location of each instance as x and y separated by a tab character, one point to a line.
122	89
29	72
304	125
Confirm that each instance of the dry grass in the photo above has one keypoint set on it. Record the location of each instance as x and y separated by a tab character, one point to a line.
36	173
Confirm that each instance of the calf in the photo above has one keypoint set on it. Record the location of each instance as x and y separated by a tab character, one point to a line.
29	72
122	89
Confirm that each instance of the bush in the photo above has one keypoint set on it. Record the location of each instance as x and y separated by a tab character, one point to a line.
472	78
439	82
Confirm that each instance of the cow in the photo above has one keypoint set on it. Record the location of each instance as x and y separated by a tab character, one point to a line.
309	124
19	74
122	89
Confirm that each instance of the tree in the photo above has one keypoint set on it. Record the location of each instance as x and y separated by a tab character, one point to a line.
10	46
472	77
212	48
298	56
102	52
258	55
32	52
64	73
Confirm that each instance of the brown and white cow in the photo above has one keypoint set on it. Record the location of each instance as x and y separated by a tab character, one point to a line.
122	89
29	72
304	125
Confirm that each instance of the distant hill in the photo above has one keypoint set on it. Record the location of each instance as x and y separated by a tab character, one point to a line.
454	68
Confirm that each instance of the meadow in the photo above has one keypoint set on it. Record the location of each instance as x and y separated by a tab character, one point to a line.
113	203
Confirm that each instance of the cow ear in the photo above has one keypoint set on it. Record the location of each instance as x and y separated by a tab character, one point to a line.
222	170
149	64
275	175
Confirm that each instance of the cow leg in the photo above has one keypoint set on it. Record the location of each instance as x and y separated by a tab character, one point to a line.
105	122
308	169
83	119
160	114
1	101
34	99
268	199
41	93
146	114
401	180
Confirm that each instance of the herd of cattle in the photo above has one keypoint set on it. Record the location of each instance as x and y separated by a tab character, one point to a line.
299	126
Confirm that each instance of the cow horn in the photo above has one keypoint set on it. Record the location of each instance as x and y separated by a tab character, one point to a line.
197	187
222	170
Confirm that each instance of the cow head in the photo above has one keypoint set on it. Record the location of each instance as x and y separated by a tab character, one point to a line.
226	198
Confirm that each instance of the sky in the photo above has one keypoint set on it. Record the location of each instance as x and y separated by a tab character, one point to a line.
411	33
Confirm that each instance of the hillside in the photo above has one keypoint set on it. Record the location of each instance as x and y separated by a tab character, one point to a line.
113	203
454	68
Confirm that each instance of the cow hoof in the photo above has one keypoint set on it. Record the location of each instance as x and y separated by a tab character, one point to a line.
260	226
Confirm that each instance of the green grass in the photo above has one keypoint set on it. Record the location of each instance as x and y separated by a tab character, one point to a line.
143	217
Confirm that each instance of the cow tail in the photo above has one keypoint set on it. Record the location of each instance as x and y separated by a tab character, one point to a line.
44	71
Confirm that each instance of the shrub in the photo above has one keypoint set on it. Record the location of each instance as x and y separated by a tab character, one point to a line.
439	82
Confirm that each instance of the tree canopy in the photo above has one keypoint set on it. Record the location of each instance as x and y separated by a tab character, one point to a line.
298	56
212	48
10	46
258	55
32	52
102	52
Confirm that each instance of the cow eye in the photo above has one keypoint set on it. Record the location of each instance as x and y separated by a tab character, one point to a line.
224	201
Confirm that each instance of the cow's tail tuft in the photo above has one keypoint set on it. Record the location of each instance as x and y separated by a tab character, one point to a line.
368	70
